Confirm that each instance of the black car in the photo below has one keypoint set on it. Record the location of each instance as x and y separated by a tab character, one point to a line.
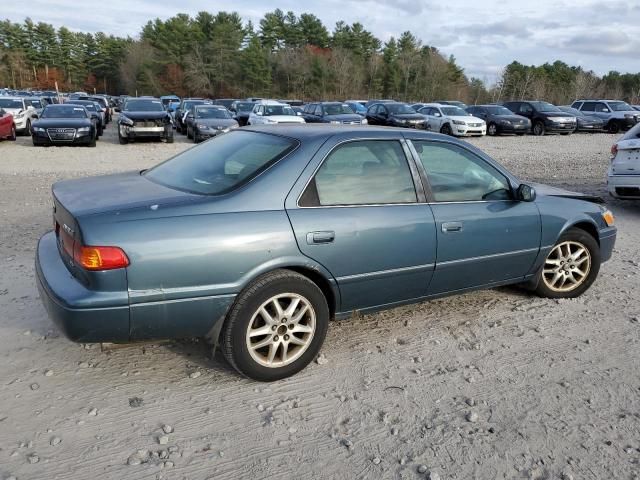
144	118
104	103
183	108
500	119
64	124
545	117
368	103
94	111
206	121
395	114
241	110
586	123
336	113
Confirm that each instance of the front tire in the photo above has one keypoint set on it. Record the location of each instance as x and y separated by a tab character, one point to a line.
492	130
446	130
12	135
571	266
539	129
276	326
122	140
614	127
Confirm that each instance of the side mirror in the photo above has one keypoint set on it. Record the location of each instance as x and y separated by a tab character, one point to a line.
526	193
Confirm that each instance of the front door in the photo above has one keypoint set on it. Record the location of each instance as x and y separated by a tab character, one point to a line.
484	235
359	217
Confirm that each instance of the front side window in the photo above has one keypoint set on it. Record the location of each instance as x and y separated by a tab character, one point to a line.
457	175
363	173
221	164
601	107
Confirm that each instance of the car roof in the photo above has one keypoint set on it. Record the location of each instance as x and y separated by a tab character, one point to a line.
310	131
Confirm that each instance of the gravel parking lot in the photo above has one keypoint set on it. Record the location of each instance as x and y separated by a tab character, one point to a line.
493	384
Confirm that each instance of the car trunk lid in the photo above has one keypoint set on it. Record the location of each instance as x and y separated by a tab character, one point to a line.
627	159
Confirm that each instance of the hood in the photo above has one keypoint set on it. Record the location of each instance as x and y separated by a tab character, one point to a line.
216	122
13	111
549	191
145	115
343	117
285	118
109	193
407	116
511	118
466	118
62	123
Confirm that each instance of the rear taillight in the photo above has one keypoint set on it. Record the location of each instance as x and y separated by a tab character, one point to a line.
614	150
99	258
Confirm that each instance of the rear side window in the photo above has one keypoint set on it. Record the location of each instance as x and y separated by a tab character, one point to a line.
362	173
588	107
222	164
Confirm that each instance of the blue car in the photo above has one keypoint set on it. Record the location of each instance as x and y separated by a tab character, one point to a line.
258	237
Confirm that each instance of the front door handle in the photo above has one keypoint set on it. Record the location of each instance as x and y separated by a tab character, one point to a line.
320	237
451	227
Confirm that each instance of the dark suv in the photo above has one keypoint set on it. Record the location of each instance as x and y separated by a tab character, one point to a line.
616	114
331	112
545	117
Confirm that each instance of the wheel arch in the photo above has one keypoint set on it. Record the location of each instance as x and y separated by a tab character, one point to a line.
586	225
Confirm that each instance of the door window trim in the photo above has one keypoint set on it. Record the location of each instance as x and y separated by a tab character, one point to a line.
425	179
416	178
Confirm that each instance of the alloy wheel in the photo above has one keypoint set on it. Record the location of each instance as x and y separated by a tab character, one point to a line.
492	130
567	266
281	330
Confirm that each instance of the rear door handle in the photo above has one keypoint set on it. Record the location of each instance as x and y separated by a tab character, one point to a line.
451	227
320	237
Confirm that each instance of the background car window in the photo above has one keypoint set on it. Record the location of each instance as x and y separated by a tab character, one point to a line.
525	108
365	172
601	107
457	175
318	111
588	107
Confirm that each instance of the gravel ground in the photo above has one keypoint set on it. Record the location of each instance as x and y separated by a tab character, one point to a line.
488	385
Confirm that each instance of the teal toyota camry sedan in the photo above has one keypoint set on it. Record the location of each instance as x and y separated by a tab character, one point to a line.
257	238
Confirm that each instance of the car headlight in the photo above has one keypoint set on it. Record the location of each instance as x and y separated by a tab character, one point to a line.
458	122
38	129
629	115
18	116
84	129
334	122
505	122
203	127
364	121
126	121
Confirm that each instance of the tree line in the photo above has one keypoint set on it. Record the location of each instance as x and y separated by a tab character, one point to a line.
284	56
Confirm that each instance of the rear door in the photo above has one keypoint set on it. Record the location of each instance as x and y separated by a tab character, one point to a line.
484	236
359	211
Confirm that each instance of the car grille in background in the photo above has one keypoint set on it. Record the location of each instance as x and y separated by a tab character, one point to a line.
148	123
61	133
628	191
475	124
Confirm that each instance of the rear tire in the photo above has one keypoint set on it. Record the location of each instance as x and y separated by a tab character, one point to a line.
613	127
27	129
249	351
567	273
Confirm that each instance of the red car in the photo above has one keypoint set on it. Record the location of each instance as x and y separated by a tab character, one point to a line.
7	127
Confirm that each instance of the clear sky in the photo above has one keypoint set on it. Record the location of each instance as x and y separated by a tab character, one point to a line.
484	35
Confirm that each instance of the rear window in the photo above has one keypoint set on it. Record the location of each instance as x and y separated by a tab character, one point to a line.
223	163
633	133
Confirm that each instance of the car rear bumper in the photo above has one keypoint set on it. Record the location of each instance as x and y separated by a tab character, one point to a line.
624	186
68	301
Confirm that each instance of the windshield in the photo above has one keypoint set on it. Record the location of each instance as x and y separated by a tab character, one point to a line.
167	101
620	106
270	110
358	107
10	103
89	106
244	106
337	109
65	111
545	107
454	112
399	108
35	103
208	112
187	105
143	106
498	110
222	164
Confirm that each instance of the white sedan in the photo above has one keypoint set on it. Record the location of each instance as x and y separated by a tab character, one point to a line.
271	113
623	178
452	120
